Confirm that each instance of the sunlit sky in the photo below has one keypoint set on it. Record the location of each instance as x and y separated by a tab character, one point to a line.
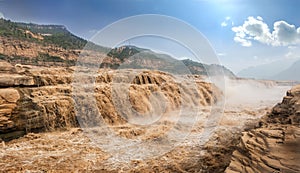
243	33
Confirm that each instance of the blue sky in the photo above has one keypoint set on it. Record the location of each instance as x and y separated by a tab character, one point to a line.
239	40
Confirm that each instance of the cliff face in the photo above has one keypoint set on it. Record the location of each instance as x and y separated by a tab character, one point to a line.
275	145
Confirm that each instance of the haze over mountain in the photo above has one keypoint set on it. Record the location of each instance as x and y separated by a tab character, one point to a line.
285	69
291	73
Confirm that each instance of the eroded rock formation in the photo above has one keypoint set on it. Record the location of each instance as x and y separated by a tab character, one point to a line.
275	145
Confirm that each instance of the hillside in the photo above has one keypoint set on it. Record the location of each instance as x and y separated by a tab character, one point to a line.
41	45
43	34
54	45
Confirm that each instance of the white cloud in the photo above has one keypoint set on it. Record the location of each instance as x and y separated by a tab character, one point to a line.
222	54
243	41
292	47
227	21
285	33
256	29
259	18
293	52
223	24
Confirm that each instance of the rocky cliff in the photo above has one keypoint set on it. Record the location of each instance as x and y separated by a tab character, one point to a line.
275	145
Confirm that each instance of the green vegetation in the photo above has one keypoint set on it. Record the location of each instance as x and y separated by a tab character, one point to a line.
11	29
123	52
47	58
195	67
43	59
52	34
66	41
43	29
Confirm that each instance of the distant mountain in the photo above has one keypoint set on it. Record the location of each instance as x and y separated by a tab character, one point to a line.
267	71
135	57
292	73
212	69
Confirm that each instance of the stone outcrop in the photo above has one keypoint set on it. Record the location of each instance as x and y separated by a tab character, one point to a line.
8	101
34	99
275	145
